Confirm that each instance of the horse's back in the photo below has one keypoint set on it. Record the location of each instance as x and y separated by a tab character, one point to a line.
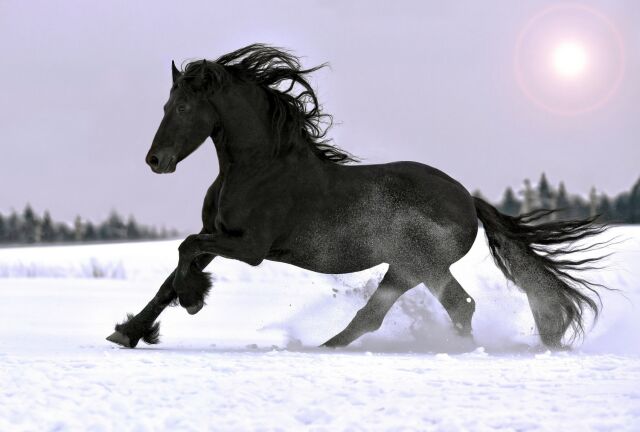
397	213
414	187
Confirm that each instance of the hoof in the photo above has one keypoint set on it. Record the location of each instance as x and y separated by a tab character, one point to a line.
195	308
462	329
335	342
120	339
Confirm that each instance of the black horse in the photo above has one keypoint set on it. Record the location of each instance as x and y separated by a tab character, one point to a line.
285	194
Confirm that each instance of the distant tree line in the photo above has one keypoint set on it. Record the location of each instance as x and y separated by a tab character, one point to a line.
29	227
623	208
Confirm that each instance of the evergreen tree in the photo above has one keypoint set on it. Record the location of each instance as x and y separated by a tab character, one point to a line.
579	208
133	232
48	230
529	201
113	228
29	231
78	229
562	200
13	228
544	193
117	227
104	233
621	208
593	202
605	210
90	232
510	204
64	233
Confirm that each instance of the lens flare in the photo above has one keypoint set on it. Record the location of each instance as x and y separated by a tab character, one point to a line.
569	59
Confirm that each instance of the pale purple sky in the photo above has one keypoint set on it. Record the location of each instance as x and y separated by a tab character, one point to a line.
83	84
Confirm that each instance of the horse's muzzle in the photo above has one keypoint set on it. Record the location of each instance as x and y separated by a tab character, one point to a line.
161	163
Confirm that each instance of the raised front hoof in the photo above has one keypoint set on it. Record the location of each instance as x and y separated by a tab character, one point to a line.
118	338
195	308
192	288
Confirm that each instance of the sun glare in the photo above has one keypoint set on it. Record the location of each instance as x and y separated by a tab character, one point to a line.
569	59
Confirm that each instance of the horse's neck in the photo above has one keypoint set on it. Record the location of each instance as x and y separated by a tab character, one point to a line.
265	161
250	141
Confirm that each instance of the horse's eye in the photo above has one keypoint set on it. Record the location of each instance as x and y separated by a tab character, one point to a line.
181	108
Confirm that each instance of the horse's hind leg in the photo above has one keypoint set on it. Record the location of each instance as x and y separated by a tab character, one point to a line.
370	317
457	302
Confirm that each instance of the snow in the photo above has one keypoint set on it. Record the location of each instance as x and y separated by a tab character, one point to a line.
248	360
203	388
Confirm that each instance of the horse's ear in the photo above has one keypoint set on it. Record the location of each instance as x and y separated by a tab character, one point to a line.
175	73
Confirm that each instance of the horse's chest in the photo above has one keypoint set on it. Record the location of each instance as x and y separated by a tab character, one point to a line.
252	209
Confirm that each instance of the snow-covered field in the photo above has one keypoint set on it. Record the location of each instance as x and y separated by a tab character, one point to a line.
248	360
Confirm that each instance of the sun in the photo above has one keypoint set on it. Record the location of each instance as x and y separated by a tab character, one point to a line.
569	59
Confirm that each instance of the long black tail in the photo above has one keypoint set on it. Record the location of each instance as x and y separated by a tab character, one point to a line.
535	257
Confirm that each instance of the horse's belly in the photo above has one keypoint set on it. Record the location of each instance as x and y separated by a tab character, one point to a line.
350	246
325	254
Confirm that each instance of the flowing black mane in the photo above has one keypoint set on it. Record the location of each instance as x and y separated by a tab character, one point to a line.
294	114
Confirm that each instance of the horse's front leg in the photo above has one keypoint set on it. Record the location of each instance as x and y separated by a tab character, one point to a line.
190	283
143	325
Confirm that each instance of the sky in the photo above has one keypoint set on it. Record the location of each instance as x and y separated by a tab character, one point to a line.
462	86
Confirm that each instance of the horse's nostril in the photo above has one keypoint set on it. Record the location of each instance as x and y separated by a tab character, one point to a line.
153	161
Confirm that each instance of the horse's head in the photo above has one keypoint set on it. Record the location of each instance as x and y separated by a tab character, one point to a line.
255	103
189	118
